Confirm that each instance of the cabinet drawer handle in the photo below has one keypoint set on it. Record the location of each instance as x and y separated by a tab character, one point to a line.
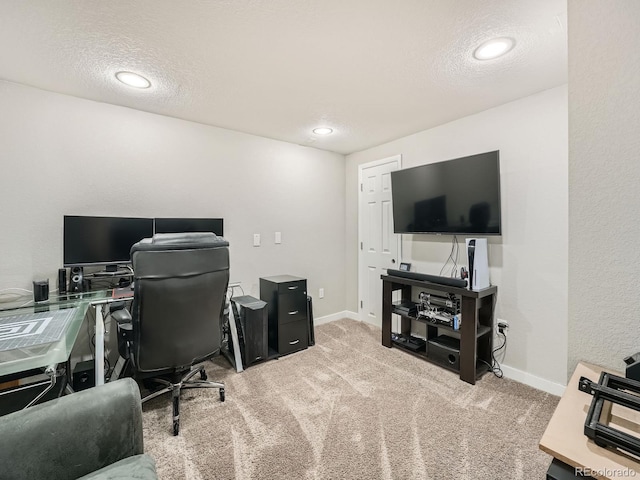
293	313
292	288
294	342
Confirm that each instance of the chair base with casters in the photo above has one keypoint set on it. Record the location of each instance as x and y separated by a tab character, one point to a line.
176	387
178	380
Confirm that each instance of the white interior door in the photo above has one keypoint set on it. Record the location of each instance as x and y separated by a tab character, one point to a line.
379	246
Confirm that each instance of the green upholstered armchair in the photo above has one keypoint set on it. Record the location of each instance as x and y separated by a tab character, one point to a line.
92	434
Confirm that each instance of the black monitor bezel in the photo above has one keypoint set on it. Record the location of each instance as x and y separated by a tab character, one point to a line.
219	233
98	263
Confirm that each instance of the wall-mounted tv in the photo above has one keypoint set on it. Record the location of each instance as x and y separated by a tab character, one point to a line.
102	240
454	197
179	225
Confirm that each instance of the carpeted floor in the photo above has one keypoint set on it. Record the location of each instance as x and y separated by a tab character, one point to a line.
349	408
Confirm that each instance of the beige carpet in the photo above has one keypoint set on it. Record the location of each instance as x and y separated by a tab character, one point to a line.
350	408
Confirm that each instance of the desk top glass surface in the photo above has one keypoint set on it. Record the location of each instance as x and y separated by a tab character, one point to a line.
61	317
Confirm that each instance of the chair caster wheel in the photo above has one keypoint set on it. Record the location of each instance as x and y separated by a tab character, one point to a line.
203	375
176	428
222	394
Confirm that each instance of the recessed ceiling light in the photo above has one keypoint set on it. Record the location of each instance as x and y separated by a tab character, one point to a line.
323	130
133	79
494	48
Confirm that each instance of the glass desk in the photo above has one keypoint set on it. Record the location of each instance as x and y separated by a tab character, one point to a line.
47	355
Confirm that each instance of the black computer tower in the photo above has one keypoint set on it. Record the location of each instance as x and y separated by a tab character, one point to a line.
252	324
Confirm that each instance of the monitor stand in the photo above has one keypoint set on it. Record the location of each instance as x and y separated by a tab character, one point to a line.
112	271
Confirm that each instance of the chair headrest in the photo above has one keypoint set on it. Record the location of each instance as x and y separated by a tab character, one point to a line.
179	241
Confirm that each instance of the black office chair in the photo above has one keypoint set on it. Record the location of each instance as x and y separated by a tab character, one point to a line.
180	285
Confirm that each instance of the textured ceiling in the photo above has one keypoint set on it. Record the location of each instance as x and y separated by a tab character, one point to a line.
373	70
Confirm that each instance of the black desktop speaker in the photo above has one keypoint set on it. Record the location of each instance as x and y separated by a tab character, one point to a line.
252	323
445	350
62	281
76	280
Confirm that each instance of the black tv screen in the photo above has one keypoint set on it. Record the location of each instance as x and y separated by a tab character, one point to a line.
460	196
102	240
180	225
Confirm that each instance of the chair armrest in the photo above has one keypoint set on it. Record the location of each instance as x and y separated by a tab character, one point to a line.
74	435
122	317
114	306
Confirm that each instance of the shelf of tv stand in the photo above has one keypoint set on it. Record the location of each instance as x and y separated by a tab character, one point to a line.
476	330
481	368
482	329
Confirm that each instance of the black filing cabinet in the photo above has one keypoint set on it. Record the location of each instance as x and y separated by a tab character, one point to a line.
286	298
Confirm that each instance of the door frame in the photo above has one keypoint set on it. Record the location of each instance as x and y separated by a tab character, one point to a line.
361	277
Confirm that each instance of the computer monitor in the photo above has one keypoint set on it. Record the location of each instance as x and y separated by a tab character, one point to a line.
91	241
181	225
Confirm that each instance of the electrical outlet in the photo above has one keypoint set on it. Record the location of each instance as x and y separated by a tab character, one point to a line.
502	326
256	239
278	237
321	293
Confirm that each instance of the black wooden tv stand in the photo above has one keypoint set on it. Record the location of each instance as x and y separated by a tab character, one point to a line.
476	331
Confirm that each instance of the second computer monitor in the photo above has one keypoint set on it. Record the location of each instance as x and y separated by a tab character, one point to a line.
180	225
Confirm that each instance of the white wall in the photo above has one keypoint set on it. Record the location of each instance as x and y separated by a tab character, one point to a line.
604	180
529	262
62	155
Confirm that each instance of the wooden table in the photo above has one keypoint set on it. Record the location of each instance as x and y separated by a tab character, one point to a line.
564	438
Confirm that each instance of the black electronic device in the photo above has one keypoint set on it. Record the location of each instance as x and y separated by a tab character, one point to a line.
83	376
41	290
442	309
454	197
62	281
424	277
180	225
632	369
445	301
252	324
410	342
407	309
76	280
102	240
415	344
445	350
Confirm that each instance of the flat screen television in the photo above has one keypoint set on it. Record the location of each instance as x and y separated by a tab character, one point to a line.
102	240
454	197
179	225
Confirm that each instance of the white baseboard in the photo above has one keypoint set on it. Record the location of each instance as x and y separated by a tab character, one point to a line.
533	381
336	316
